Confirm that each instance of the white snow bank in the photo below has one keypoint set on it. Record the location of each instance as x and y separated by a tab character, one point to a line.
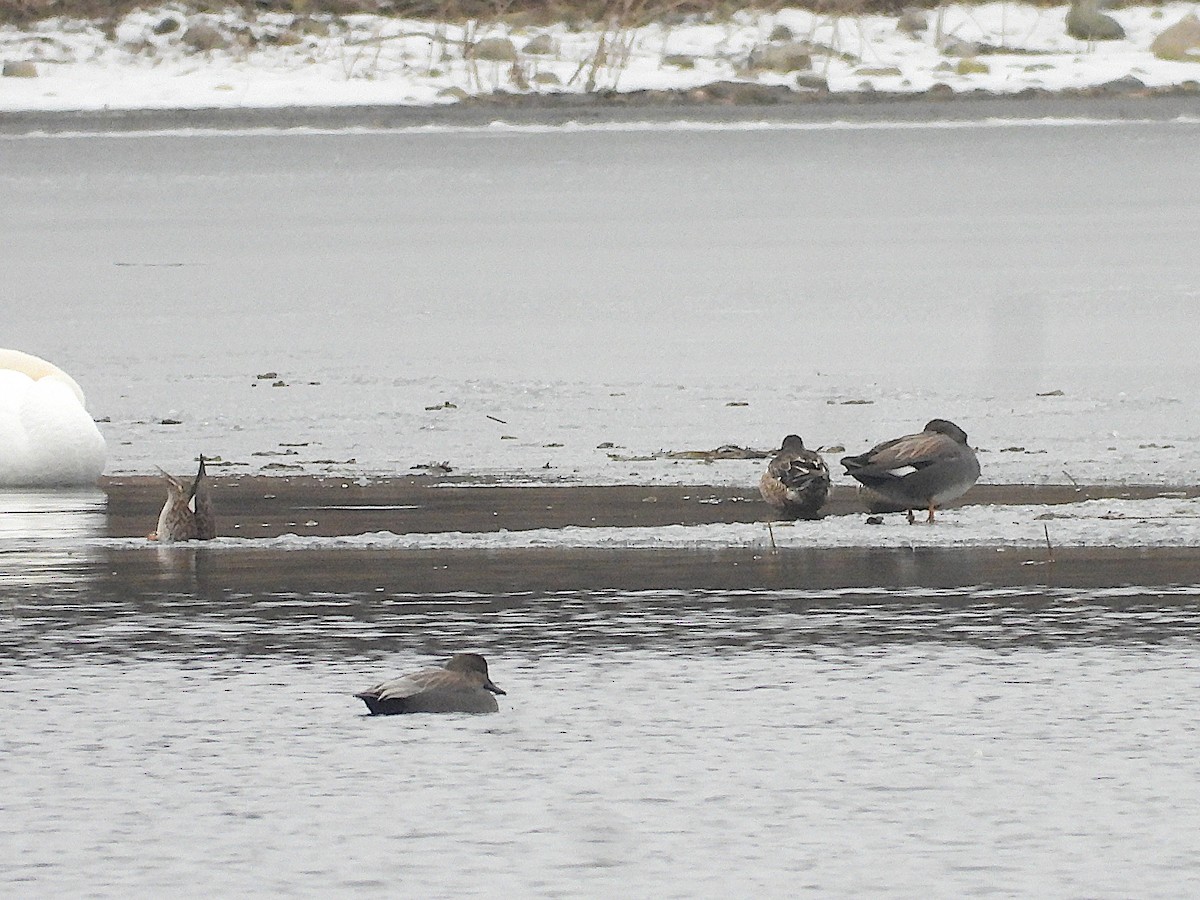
47	437
1094	523
277	60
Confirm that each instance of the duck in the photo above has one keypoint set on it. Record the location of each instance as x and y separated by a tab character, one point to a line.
188	513
48	437
462	685
202	506
796	482
918	471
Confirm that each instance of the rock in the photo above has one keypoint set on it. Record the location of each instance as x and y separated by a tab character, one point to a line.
493	49
912	22
747	92
971	66
19	68
452	93
952	46
540	45
1085	22
781	33
878	72
168	25
811	81
202	38
288	38
1180	42
793	56
314	27
547	79
1127	84
939	90
679	61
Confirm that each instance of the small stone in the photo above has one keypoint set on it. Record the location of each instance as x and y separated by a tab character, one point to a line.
971	66
547	79
288	39
1127	84
540	45
790	57
878	72
679	61
781	33
912	22
454	92
494	49
953	46
21	68
811	81
202	37
168	25
314	27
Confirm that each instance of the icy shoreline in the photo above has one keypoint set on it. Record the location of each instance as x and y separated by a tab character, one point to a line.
170	59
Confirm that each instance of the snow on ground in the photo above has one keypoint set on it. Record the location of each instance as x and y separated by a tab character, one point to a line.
276	60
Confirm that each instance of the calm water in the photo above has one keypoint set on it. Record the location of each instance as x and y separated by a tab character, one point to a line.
165	729
624	288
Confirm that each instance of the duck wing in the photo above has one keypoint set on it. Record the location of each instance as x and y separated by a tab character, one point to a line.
410	685
798	470
903	455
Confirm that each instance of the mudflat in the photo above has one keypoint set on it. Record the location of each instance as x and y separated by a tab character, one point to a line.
271	506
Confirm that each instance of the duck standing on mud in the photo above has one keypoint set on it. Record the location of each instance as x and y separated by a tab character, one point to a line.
796	482
188	513
918	471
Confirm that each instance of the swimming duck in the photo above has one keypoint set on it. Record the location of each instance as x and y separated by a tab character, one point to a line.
918	471
188	513
47	437
796	481
462	685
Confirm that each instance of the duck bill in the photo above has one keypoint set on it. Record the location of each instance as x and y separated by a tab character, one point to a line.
494	688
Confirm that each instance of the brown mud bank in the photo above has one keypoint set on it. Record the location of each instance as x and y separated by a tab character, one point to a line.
265	507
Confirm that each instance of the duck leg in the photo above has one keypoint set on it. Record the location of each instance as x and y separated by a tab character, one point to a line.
911	518
930	519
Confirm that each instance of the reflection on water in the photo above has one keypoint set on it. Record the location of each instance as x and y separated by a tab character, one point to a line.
45	534
177	608
175	716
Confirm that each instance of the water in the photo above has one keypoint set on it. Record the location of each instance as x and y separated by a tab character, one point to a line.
678	743
653	290
180	721
177	717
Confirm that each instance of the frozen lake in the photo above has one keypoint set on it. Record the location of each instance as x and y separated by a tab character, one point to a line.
663	288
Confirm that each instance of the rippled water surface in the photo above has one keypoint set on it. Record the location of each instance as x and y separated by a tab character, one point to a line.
165	731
